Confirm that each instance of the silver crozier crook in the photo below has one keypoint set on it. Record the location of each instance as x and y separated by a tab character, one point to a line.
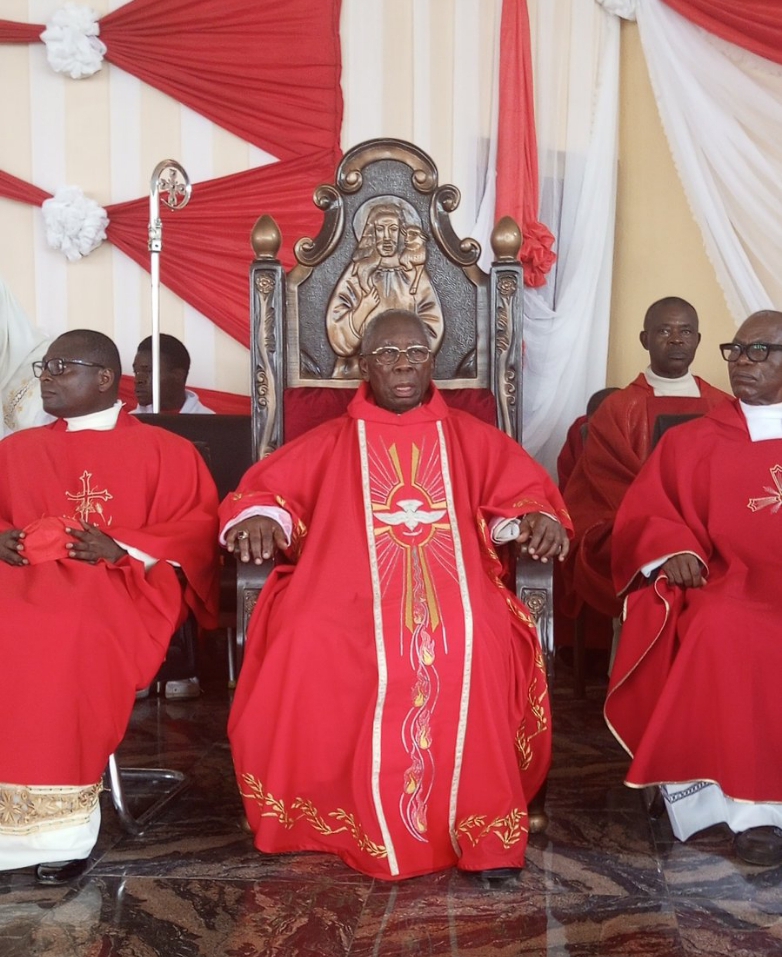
171	182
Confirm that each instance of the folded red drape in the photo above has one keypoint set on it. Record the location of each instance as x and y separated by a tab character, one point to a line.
206	246
266	71
11	32
755	25
517	149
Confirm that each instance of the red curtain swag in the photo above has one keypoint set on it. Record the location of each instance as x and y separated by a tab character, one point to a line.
206	246
755	25
267	72
517	150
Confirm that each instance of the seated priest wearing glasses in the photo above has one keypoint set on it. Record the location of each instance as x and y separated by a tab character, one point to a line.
694	693
174	370
96	509
392	707
619	441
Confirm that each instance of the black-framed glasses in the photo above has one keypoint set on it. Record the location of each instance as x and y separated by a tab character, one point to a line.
754	351
389	355
56	366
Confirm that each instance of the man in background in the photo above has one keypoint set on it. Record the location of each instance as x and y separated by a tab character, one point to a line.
621	434
174	370
174	397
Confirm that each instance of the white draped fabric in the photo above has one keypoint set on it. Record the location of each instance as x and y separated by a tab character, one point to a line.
721	107
20	344
576	77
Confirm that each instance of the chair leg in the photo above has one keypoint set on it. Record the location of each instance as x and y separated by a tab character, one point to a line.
536	809
176	781
231	642
579	657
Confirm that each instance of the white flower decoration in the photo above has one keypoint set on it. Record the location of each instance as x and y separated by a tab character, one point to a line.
75	224
72	44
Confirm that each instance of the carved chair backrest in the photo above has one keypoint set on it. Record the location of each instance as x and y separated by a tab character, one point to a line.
386	241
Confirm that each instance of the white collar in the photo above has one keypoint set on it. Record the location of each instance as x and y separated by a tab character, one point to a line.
685	385
102	421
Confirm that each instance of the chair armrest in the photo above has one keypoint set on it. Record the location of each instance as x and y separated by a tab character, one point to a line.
250	579
535	587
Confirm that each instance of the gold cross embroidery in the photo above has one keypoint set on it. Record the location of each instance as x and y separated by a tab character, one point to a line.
775	498
88	500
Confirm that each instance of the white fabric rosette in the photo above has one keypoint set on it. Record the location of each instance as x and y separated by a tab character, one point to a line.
75	224
72	44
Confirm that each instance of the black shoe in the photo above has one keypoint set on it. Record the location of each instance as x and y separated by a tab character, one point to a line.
61	872
498	875
760	845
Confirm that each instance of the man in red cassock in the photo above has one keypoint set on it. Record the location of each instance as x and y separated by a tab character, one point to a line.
694	693
392	706
95	510
620	439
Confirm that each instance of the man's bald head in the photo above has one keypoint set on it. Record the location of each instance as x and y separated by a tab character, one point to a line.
398	382
670	336
758	383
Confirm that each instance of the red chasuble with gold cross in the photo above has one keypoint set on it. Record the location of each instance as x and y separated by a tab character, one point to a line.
392	707
76	639
694	691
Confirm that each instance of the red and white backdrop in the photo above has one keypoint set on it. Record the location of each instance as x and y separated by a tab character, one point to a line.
517	102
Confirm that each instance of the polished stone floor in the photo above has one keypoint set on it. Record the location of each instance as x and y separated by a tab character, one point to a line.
603	881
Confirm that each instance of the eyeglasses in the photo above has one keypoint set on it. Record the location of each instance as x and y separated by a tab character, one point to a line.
57	366
754	351
389	355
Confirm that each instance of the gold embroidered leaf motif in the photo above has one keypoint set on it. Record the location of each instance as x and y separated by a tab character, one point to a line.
507	829
307	812
524	749
364	843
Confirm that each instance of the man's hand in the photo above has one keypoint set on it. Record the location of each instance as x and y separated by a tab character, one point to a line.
542	537
685	570
12	547
255	539
92	544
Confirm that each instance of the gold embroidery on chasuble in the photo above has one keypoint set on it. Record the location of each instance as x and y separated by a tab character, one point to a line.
88	501
414	546
507	830
302	810
25	810
774	498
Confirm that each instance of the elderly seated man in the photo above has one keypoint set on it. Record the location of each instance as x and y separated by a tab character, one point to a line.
392	707
96	509
694	694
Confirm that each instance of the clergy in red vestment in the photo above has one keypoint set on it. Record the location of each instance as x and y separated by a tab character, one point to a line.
620	439
392	706
694	692
95	511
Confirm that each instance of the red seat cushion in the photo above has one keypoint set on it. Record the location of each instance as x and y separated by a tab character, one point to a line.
309	406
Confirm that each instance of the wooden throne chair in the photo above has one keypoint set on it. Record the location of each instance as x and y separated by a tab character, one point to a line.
303	370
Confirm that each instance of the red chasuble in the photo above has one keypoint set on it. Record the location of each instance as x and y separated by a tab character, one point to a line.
392	706
694	692
619	442
77	640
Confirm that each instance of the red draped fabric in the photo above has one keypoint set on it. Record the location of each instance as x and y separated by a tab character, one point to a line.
517	149
266	71
755	25
206	246
224	403
11	32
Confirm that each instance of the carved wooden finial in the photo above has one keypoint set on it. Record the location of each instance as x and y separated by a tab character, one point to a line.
506	240
266	237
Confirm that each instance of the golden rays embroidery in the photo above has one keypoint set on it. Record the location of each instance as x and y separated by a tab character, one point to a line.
88	500
507	830
774	499
413	533
303	810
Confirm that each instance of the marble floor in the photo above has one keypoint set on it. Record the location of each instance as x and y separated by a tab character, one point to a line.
602	881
